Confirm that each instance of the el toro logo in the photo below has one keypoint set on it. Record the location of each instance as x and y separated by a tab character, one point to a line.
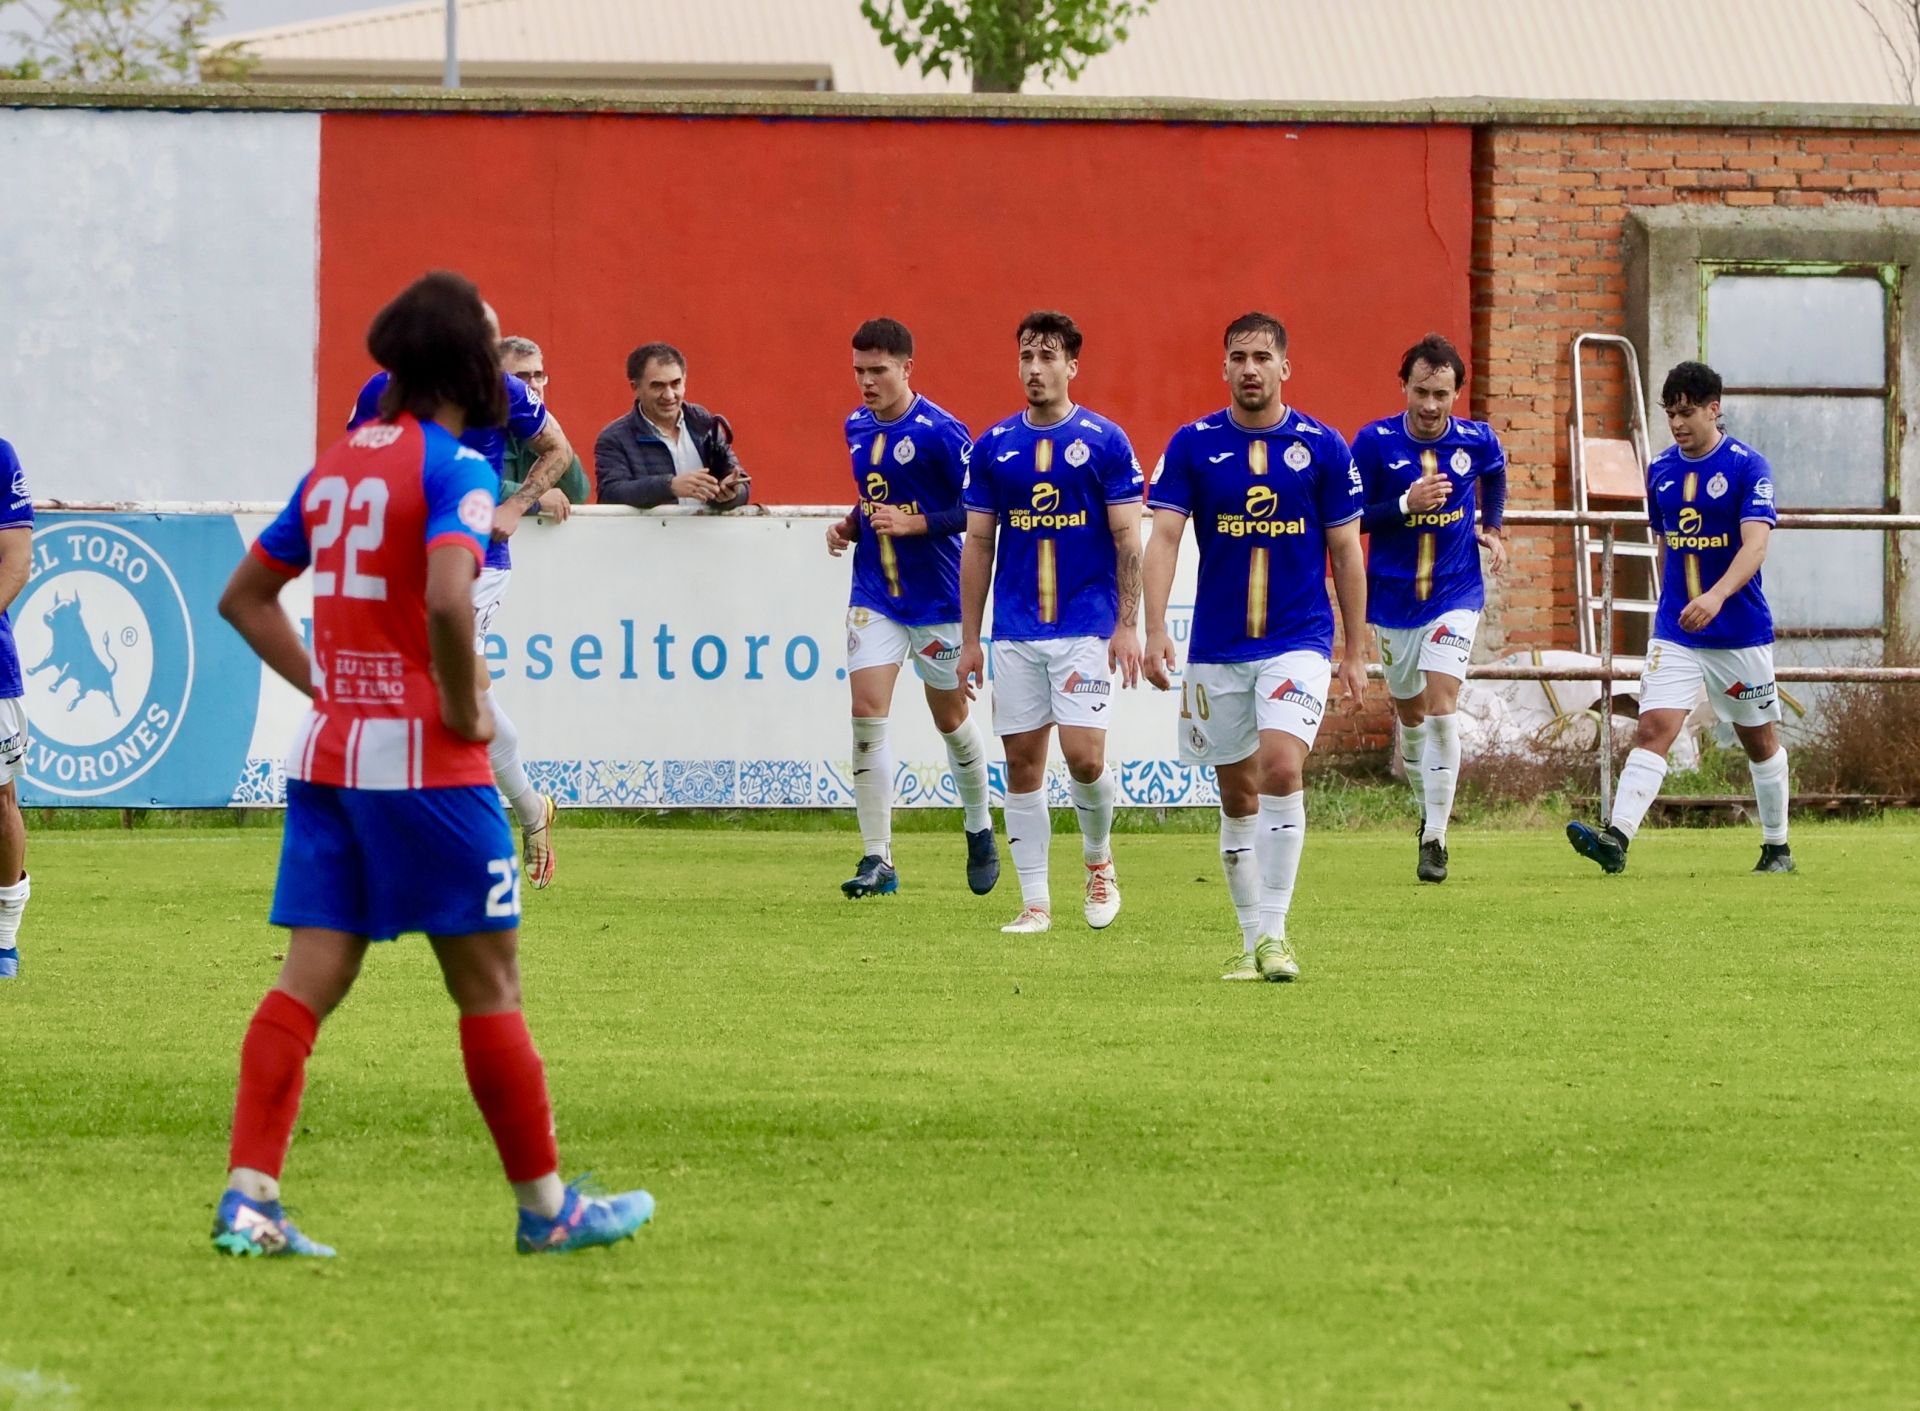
107	654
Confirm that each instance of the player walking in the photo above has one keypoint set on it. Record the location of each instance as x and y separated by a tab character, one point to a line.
392	824
527	421
1710	499
1271	493
16	561
1053	524
909	462
1420	470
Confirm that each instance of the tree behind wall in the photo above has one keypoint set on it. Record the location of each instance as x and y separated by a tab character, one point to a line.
120	41
1897	22
1000	42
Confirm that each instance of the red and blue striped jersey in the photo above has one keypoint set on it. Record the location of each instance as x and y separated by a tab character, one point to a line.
364	520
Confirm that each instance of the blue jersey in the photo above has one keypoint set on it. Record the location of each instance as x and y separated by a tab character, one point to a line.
526	419
16	512
1261	503
1050	486
1696	508
1427	562
915	464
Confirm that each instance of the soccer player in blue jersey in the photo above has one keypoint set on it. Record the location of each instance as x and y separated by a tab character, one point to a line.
1053	524
1710	501
1271	493
909	462
1421	470
392	822
527	421
16	558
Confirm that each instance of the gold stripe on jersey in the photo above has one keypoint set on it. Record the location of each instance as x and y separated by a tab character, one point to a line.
1690	486
1048	583
1257	592
879	448
1688	489
1429	462
889	564
1257	457
1042	456
1423	570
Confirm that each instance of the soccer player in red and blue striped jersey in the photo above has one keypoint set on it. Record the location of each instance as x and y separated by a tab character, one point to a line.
392	824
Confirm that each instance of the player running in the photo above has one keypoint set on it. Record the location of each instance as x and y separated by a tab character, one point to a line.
1271	493
1710	499
1053	524
1420	470
392	824
16	561
909	462
527	421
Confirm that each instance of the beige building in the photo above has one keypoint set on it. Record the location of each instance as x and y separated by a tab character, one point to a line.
1803	51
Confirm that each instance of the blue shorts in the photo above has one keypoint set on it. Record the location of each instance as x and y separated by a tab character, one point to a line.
379	863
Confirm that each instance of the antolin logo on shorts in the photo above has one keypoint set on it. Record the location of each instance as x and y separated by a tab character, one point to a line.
1078	685
1445	636
1741	691
1294	695
940	651
106	640
1046	512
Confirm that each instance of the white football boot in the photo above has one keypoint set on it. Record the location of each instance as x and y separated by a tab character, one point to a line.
1241	967
1273	958
1103	895
1030	922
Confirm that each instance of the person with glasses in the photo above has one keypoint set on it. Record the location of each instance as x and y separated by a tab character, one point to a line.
523	359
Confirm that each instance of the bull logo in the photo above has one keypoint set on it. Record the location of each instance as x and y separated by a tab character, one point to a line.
1046	497
72	656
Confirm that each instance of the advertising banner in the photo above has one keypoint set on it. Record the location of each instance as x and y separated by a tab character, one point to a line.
650	661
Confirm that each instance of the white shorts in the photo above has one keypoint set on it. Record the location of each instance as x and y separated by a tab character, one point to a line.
1739	681
1059	681
1442	645
13	738
1224	705
489	591
874	639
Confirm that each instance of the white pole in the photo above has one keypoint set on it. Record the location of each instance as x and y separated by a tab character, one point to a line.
450	75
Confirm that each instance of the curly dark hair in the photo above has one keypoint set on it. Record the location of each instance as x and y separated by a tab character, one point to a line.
438	346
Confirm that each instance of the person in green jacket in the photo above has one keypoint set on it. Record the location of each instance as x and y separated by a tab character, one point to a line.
522	357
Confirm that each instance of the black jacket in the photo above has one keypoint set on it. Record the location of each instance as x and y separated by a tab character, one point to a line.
633	464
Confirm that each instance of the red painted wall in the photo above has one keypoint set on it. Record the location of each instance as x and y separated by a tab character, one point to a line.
757	246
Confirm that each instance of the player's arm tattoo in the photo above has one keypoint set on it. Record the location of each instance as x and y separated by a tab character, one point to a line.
553	454
1126	555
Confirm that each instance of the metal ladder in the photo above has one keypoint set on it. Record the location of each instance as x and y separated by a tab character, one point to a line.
1610	473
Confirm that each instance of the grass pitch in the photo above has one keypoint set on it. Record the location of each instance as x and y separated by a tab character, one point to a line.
1537	1138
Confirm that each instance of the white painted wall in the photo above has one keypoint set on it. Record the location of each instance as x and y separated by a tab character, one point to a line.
158	312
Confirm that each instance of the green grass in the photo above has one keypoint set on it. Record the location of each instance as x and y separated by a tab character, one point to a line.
1537	1139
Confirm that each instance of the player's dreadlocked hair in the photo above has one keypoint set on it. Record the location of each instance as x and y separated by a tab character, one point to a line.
1436	352
1051	326
1250	325
437	344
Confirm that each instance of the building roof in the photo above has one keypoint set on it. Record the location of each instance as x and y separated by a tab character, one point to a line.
1800	51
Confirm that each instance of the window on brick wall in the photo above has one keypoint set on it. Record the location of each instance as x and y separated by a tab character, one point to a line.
1811	384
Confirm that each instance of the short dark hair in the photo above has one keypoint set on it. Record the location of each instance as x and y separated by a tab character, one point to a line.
883	335
1695	383
1256	322
437	346
1051	324
638	359
1436	351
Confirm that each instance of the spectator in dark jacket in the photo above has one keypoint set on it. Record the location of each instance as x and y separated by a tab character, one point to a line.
666	450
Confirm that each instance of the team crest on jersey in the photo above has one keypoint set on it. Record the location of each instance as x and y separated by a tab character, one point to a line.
476	511
1461	462
1297	457
1717	486
903	450
1078	452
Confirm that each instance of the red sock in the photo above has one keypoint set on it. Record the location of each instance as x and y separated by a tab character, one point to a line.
510	1085
273	1073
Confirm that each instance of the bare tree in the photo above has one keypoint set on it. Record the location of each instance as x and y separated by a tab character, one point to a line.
1897	22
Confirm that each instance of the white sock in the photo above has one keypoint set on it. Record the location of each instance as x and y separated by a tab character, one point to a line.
13	905
1440	769
543	1197
1094	804
1237	859
508	776
967	757
1281	835
1029	831
873	785
1769	792
1413	746
254	1185
1639	786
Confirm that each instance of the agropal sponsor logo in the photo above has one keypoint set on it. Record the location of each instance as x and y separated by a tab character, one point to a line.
107	652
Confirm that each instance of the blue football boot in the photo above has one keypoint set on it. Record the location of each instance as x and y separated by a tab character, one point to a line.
257	1227
983	862
585	1220
1606	846
874	877
9	962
